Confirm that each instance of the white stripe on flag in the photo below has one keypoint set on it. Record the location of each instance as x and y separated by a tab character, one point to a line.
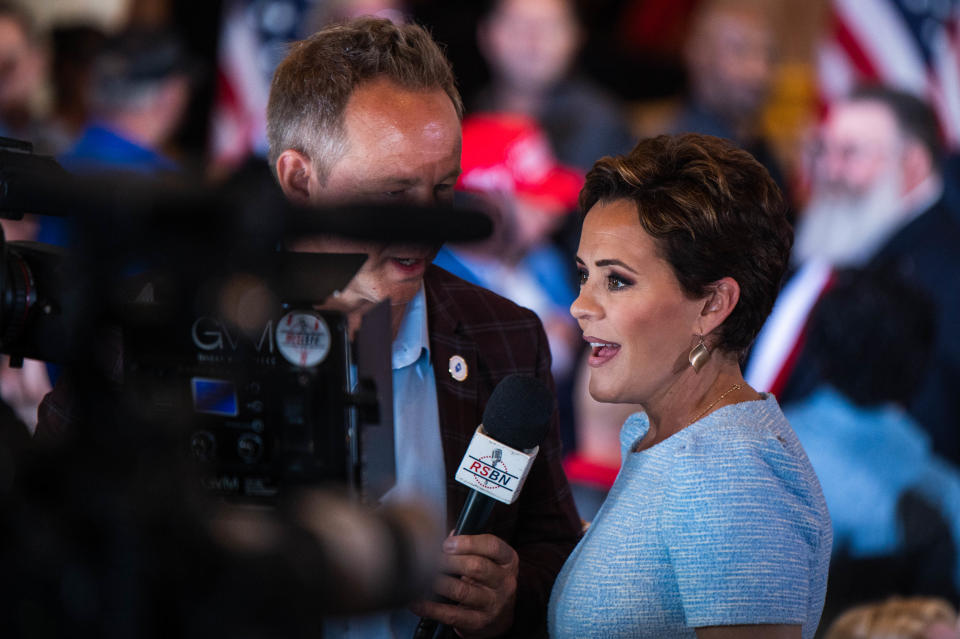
785	324
835	73
947	86
886	40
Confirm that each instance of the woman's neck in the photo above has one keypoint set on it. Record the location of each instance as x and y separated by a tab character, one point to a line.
694	395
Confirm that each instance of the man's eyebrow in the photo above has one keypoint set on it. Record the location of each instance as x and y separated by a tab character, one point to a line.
402	179
396	181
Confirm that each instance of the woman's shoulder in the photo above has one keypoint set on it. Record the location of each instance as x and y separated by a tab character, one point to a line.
745	461
744	438
757	426
759	422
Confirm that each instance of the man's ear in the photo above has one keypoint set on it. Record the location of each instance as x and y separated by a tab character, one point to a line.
294	173
719	303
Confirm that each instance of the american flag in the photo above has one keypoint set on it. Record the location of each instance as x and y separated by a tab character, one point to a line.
913	45
253	39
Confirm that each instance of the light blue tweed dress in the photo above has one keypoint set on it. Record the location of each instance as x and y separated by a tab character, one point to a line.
723	523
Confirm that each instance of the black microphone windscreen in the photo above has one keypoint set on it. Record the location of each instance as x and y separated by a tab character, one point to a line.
518	413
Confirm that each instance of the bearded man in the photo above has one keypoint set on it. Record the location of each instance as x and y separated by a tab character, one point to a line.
876	203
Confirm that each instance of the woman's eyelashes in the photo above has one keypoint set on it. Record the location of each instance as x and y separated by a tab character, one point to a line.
615	281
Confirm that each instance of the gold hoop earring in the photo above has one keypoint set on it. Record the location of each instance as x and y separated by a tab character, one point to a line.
699	355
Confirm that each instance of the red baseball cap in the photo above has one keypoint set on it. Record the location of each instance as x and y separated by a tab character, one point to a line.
509	153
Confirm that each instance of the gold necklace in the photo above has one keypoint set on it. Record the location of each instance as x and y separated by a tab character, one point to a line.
735	387
636	447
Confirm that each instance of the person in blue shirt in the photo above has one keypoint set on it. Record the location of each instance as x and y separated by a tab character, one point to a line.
140	88
894	502
508	164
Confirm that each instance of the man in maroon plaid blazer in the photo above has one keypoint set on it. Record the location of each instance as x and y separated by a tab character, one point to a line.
367	110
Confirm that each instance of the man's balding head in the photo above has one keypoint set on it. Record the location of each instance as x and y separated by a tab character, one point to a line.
312	85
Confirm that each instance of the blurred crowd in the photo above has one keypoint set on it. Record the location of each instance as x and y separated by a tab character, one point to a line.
863	346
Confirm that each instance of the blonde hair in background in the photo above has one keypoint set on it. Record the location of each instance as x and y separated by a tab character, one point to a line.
895	618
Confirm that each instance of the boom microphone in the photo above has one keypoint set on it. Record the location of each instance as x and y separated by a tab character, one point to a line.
499	457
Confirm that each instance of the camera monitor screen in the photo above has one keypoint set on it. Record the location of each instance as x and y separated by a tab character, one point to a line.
214	396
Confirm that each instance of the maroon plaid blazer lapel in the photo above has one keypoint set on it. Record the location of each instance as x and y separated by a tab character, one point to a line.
470	322
496	338
459	406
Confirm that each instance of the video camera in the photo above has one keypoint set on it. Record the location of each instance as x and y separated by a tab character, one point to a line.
220	336
267	405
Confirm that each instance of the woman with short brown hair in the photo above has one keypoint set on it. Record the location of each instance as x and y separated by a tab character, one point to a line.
716	525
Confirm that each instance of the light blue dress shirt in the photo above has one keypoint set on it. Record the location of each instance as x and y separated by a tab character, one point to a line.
420	469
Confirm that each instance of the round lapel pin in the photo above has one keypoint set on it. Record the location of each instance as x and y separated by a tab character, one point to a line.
458	368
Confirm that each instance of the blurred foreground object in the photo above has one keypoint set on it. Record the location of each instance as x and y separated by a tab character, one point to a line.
106	529
898	618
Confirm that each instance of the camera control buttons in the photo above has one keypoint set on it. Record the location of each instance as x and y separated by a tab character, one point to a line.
203	445
249	447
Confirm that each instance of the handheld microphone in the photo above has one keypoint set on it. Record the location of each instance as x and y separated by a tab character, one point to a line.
499	457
